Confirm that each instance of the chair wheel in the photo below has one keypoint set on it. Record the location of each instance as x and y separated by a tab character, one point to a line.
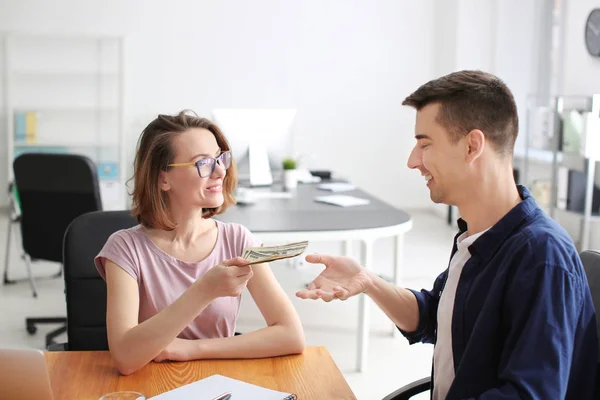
32	330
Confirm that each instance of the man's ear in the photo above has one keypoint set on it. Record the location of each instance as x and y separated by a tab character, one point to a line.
475	144
163	182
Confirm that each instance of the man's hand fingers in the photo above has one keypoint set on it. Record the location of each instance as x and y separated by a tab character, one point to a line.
341	293
327	296
308	294
316	294
318	259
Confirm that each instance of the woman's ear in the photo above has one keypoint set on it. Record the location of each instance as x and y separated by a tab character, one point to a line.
163	182
475	144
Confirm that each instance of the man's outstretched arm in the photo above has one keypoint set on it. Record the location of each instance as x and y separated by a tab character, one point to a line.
415	313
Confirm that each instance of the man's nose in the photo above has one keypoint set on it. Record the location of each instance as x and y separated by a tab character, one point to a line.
414	159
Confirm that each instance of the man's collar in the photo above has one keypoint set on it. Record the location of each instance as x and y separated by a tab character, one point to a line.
490	241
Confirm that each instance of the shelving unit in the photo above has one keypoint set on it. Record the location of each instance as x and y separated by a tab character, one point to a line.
564	145
72	90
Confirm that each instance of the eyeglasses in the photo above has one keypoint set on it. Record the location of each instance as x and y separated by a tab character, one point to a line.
206	166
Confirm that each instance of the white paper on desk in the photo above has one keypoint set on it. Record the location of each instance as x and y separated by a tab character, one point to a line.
336	187
342	200
216	385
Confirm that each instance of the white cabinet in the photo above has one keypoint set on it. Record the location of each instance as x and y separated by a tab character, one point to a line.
562	152
65	94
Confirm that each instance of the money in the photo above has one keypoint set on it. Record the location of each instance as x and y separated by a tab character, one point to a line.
257	255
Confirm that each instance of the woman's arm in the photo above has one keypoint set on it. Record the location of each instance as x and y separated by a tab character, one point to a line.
283	334
133	345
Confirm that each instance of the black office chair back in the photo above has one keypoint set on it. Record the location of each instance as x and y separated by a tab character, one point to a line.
85	288
591	264
54	189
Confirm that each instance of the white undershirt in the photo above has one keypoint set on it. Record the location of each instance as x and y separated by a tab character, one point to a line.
443	358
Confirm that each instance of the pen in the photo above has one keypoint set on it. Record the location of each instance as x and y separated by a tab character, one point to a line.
224	396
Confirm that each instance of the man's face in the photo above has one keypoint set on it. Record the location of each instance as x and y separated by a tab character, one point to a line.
441	162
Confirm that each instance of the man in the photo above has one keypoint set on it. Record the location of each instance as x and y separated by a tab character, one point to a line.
512	317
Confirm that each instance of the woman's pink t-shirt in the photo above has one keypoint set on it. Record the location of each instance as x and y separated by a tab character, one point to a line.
162	278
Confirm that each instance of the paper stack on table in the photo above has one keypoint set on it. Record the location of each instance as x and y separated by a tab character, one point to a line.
215	385
336	186
342	200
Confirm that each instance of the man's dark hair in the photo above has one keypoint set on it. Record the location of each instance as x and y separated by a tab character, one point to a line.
472	100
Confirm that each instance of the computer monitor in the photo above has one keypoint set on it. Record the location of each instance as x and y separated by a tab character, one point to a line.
259	139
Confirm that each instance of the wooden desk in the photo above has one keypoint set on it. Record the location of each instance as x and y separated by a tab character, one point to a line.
84	375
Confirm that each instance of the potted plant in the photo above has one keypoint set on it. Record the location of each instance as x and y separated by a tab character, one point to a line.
290	180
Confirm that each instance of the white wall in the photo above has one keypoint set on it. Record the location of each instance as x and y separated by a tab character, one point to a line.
581	72
475	35
515	56
345	65
489	35
493	37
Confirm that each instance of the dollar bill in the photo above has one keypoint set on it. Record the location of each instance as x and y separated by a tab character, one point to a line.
256	255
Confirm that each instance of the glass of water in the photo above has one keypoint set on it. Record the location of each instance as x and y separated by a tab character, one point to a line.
123	396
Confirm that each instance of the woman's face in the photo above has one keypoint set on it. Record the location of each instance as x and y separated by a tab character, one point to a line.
183	184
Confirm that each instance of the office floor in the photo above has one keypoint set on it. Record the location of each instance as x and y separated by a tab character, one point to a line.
391	361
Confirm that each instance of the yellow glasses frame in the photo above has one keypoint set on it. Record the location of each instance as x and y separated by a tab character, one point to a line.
207	161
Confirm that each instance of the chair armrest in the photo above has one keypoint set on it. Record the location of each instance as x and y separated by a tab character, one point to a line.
58	347
408	391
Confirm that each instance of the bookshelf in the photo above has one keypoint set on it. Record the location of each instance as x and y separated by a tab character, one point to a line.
562	148
65	94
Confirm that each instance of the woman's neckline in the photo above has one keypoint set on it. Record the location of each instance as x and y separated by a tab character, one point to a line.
168	257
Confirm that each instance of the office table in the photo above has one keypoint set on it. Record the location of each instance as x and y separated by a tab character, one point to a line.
281	220
87	375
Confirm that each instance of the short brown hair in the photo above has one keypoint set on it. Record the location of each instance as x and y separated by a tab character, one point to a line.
472	100
155	153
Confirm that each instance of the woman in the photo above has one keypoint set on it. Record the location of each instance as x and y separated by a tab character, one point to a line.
175	280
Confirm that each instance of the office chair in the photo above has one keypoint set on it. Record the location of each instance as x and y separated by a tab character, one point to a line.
14	219
53	190
591	264
84	287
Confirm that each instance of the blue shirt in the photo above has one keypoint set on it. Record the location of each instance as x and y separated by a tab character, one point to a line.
523	325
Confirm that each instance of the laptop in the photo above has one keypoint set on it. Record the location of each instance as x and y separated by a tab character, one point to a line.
23	375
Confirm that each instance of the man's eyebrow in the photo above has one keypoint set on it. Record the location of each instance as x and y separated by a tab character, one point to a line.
421	136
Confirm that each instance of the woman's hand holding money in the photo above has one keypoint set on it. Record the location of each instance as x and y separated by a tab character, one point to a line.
226	279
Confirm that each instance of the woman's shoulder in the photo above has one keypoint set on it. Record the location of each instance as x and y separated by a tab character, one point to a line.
233	228
132	235
237	236
121	248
